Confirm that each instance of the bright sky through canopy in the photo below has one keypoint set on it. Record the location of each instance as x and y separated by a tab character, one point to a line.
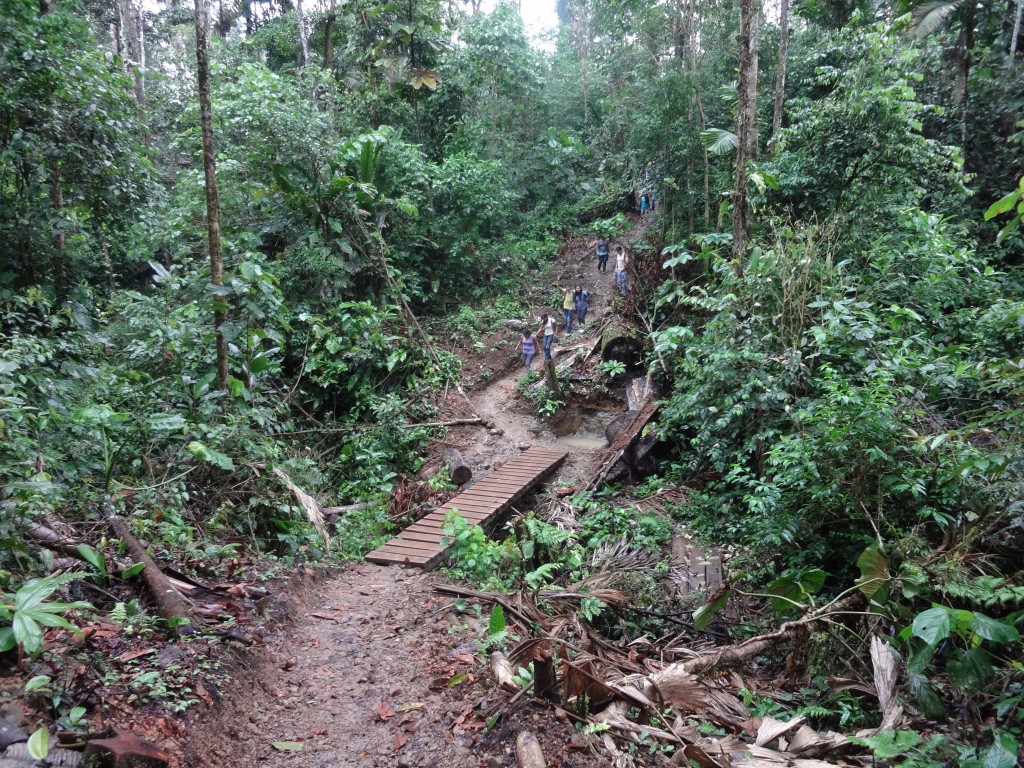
539	16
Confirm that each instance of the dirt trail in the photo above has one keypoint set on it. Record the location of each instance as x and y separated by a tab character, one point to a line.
376	669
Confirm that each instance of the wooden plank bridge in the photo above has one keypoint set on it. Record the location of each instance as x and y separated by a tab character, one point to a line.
420	545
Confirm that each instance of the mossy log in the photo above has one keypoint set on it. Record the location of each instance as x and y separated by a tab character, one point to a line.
620	343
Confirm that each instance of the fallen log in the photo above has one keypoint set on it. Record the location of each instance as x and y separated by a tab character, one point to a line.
620	343
459	471
617	451
170	603
528	751
334	511
502	671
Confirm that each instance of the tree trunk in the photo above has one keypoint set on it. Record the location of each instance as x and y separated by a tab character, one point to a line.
551	378
780	74
746	128
212	196
303	36
458	471
60	270
169	602
1016	32
329	38
963	71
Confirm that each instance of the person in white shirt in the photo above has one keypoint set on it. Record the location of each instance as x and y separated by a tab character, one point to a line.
547	329
621	277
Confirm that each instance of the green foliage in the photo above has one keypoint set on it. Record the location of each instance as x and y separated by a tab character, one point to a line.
24	613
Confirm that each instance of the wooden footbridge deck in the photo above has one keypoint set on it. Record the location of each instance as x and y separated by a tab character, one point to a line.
420	544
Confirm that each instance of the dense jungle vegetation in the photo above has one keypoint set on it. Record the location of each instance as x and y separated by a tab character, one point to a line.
835	312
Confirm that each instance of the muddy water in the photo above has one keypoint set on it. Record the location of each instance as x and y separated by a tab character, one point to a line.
582	429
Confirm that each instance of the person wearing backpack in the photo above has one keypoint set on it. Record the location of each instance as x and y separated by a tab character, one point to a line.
602	253
581	301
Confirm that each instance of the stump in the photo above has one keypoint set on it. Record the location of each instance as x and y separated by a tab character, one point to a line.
620	343
458	471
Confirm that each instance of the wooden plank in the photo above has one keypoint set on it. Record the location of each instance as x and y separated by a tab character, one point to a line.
420	544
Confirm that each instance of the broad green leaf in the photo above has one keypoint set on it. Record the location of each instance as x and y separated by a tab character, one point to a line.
1002	205
1002	753
205	453
37	682
971	669
874	575
93	557
458	679
167	422
993	629
703	615
288	746
135	570
7	640
28	633
496	623
39	744
932	625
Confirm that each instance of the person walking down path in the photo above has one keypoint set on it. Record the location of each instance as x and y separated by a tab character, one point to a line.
528	345
621	277
645	205
568	308
547	329
602	253
581	301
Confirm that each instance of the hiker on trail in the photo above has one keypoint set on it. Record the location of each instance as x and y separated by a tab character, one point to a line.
547	329
645	206
528	343
581	300
602	253
568	308
621	262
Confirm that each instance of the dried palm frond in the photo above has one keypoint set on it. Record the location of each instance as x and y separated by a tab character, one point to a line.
622	556
308	503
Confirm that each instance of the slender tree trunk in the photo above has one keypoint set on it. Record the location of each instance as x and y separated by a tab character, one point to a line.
746	128
303	36
1016	33
780	74
44	7
963	71
247	13
60	270
329	38
212	196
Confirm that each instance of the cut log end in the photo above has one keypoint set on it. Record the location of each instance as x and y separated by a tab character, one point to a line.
458	471
528	751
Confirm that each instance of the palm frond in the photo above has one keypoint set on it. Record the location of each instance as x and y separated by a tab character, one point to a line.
719	141
929	17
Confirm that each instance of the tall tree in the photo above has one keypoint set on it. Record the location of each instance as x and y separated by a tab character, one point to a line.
780	73
300	17
212	196
1016	32
746	126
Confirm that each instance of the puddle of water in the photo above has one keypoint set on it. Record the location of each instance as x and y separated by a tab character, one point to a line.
582	428
583	443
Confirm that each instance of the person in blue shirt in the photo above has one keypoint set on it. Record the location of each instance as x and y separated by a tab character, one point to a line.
581	301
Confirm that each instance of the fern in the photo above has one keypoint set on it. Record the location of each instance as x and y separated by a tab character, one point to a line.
543	575
985	591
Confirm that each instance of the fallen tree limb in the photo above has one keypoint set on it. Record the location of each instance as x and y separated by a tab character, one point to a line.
332	511
528	751
170	603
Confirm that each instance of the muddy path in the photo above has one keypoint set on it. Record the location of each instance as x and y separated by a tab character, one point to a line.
370	667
